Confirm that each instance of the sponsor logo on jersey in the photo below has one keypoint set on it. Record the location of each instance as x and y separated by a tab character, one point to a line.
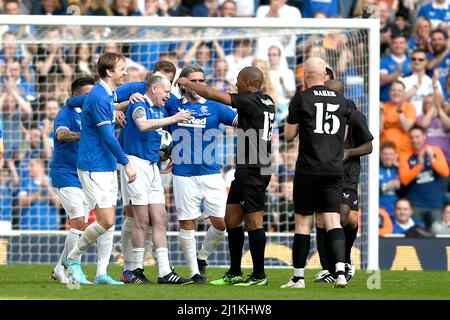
194	123
355	202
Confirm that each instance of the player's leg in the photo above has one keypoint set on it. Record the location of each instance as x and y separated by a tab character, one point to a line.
72	201
233	221
160	220
234	215
100	189
127	247
187	196
215	201
257	243
305	193
349	222
329	206
325	275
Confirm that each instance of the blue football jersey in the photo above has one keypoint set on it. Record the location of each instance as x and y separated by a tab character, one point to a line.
144	145
63	168
195	141
98	110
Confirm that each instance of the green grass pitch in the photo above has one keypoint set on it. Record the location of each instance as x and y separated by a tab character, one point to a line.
33	282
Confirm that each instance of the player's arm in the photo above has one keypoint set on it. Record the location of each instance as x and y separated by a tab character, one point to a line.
291	125
124	92
77	101
65	135
144	124
359	151
205	91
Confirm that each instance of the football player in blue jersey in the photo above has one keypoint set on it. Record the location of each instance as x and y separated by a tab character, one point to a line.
196	172
99	153
63	171
142	134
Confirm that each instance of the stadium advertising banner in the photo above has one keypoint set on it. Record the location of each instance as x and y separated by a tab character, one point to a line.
395	253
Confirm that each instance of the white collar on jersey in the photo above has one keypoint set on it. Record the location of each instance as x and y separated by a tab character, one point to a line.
77	110
105	85
201	101
148	100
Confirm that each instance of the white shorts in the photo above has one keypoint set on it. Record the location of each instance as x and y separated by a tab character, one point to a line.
74	202
189	192
147	188
100	188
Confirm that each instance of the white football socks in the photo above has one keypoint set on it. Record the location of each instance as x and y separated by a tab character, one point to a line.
212	240
104	249
162	257
188	246
138	258
72	237
127	247
90	235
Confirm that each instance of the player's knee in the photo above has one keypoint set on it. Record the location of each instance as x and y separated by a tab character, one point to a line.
218	223
231	222
78	223
187	224
353	219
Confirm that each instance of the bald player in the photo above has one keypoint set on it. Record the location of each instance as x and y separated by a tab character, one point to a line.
319	116
358	143
256	113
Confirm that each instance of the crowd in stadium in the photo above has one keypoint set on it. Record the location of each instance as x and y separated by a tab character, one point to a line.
414	109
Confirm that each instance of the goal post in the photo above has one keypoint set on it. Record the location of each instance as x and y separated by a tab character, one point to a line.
351	47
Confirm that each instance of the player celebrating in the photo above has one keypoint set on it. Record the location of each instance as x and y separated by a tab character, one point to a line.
319	116
256	112
64	174
194	182
99	153
358	143
146	194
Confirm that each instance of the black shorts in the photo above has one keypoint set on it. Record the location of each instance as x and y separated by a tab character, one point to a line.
350	198
317	194
249	189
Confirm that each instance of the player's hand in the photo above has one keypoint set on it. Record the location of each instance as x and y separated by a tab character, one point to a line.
137	97
346	154
121	119
182	115
131	174
183	81
168	168
429	152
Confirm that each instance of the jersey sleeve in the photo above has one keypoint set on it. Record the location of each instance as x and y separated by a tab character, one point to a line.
62	121
360	130
227	115
134	107
76	102
124	92
102	113
292	117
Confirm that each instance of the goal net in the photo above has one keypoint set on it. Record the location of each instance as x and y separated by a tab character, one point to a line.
40	57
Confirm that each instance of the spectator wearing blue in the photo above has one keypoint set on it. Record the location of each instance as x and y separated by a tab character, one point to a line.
49	7
37	200
12	7
403	221
200	55
421	37
439	60
310	7
389	179
17	82
438	11
394	66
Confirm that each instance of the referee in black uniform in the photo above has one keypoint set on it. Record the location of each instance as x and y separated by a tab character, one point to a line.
357	143
319	116
246	199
